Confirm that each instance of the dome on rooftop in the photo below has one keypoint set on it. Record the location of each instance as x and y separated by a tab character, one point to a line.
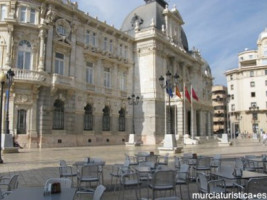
263	34
145	15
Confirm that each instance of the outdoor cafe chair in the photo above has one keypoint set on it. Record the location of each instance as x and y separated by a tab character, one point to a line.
255	187
130	180
163	181
209	186
89	174
215	161
10	183
202	164
117	171
66	171
64	183
132	160
163	160
182	178
177	162
97	194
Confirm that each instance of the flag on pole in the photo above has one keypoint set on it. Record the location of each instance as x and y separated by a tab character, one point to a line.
177	92
194	95
169	90
187	95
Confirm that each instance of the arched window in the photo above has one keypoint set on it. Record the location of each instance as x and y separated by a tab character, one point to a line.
24	55
58	118
106	119
88	117
122	120
21	124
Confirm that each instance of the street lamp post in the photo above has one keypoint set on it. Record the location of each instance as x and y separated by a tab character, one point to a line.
133	100
169	138
2	80
10	74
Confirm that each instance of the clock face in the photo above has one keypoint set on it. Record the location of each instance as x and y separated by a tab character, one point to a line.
62	28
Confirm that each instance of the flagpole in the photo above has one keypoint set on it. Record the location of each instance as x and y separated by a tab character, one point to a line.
192	115
184	112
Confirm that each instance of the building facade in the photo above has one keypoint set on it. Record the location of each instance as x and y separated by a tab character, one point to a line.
219	103
247	88
73	74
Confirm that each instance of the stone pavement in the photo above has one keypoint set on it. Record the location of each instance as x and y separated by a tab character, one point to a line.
35	166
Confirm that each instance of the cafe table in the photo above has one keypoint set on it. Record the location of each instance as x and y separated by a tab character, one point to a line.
37	193
228	174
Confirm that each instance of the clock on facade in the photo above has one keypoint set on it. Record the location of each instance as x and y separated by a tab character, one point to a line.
62	28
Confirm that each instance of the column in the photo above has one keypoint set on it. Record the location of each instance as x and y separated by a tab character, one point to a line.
9	47
42	35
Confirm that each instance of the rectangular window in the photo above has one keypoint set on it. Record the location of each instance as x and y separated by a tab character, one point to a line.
94	39
120	50
265	82
264	62
232	87
24	60
32	16
253	94
59	64
3	12
87	37
231	77
105	45
110	46
252	84
233	97
251	73
21	123
265	50
123	81
126	52
265	71
23	14
89	73
107	78
250	56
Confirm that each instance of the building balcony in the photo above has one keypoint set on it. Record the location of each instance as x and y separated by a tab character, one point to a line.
64	82
22	75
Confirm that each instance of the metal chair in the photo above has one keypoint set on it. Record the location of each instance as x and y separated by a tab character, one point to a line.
66	171
212	186
98	193
182	178
163	160
215	161
11	183
130	159
163	180
89	174
177	162
116	172
130	180
203	164
254	187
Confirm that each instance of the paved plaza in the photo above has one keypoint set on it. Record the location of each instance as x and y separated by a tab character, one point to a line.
35	166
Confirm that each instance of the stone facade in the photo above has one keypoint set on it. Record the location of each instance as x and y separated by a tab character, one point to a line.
73	74
219	102
247	86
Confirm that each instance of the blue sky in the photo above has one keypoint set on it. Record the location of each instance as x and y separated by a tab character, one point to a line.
220	29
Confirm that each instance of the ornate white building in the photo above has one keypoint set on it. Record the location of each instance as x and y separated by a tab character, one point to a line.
247	87
73	74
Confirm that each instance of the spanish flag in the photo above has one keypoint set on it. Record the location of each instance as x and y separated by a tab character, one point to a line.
177	92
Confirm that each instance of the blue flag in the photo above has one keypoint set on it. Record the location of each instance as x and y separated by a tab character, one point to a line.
169	91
